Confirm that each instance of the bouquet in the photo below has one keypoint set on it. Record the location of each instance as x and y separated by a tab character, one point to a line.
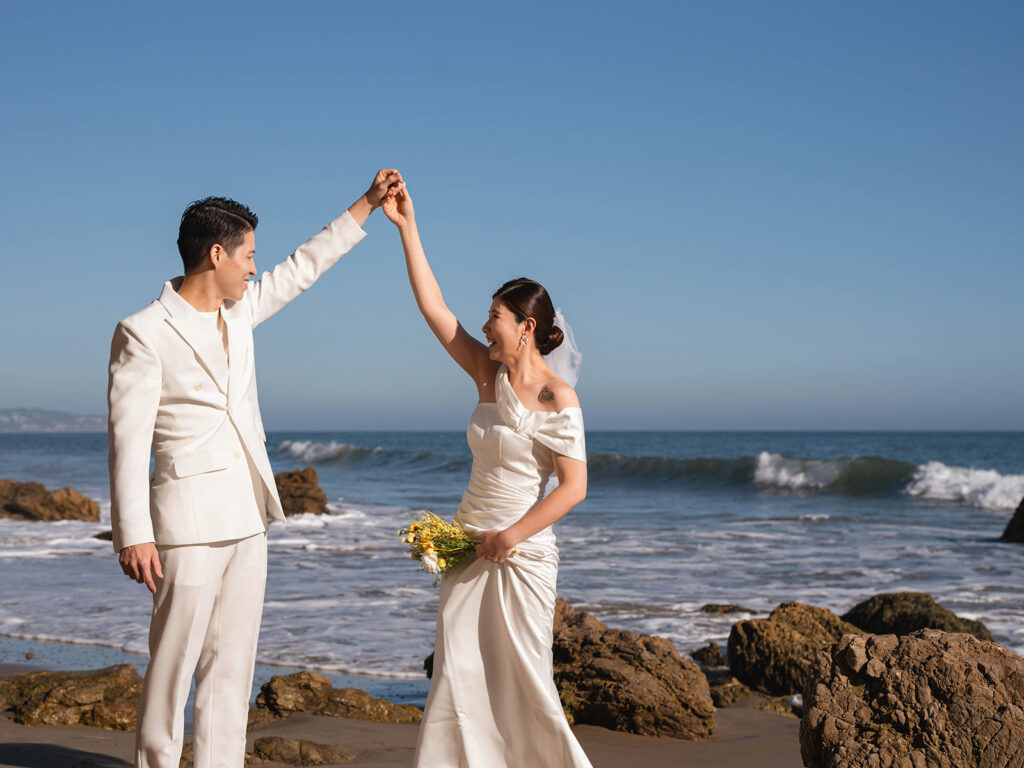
439	546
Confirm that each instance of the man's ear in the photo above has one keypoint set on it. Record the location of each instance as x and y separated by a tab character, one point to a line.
216	253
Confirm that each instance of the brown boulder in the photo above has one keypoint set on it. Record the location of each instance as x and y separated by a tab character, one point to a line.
709	655
296	752
301	493
627	681
773	655
1015	528
728	690
931	698
103	698
312	693
31	501
900	613
724	608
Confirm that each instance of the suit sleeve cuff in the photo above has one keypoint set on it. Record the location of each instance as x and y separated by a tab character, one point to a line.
130	536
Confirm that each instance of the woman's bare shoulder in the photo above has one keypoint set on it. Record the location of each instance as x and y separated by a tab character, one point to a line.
556	395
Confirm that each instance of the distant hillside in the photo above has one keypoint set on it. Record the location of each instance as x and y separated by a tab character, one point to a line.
39	420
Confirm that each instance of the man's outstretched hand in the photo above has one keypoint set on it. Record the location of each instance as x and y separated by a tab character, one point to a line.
142	563
385	183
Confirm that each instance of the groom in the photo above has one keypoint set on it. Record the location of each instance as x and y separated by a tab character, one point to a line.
182	382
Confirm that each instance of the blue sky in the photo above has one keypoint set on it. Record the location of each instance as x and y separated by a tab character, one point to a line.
756	215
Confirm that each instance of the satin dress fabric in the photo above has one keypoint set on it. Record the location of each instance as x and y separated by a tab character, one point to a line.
493	701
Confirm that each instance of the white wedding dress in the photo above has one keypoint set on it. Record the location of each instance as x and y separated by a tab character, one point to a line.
492	700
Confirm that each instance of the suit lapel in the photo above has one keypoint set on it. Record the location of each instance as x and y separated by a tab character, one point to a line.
184	320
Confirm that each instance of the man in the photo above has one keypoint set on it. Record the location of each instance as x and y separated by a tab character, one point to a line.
182	381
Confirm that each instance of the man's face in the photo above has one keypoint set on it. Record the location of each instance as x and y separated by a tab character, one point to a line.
233	269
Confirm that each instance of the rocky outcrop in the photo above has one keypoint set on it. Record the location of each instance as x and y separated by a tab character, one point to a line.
728	690
312	693
900	613
724	608
278	750
930	698
31	501
103	698
1015	528
301	493
709	655
627	681
299	752
773	655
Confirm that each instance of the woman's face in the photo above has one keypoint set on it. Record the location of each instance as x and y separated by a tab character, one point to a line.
502	332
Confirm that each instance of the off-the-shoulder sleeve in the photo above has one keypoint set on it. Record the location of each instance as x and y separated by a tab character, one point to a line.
562	432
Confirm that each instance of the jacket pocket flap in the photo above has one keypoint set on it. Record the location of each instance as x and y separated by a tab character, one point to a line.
198	463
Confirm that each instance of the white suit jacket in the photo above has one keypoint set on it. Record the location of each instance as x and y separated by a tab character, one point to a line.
211	478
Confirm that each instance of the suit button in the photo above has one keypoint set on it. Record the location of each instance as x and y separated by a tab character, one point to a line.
238	454
197	387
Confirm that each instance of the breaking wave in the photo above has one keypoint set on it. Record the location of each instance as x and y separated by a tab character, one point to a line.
770	472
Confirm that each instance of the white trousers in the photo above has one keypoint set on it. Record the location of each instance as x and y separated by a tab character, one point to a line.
206	621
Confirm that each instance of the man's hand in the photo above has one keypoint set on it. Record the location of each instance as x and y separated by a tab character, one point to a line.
386	182
382	183
142	563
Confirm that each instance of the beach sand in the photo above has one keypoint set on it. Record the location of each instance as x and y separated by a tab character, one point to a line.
746	736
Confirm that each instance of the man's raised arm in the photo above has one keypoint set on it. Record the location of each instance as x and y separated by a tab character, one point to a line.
299	271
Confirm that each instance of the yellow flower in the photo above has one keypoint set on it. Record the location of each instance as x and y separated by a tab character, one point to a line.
441	562
410	539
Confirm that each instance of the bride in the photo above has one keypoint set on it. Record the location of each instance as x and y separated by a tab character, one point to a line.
492	699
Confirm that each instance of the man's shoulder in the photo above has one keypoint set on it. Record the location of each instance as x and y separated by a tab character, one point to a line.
146	318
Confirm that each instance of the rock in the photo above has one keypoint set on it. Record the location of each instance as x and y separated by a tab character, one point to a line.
31	501
930	698
301	493
728	690
780	705
773	655
312	693
103	698
724	608
1015	528
188	757
104	536
709	656
627	681
901	613
296	752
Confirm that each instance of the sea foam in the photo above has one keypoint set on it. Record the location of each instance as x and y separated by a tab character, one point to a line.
311	451
983	488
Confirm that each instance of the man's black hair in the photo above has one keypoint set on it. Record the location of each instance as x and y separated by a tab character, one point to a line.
211	221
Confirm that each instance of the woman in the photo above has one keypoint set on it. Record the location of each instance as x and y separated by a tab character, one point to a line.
492	700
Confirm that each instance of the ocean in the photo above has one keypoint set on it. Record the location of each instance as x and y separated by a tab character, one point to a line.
673	520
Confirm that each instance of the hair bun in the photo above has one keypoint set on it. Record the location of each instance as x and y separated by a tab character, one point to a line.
554	339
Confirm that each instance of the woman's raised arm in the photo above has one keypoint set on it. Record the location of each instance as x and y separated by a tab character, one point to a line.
469	353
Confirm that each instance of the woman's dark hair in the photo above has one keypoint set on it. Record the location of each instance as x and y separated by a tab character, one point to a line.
527	298
211	221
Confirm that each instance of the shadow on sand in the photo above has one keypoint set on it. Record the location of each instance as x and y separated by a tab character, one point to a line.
26	755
